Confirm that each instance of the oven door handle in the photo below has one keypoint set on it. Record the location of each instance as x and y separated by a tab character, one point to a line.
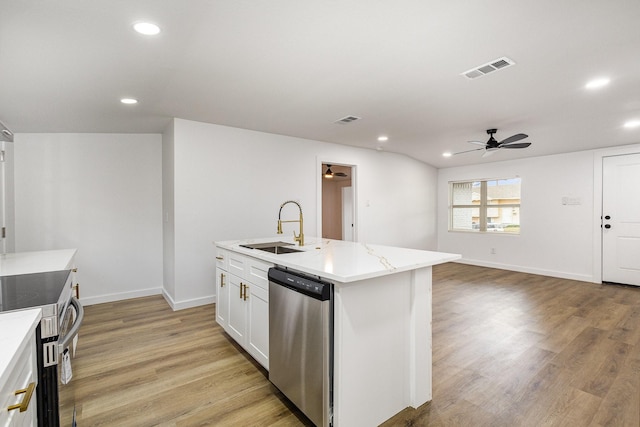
71	334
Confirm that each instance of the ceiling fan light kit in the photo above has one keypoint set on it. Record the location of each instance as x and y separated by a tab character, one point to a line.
328	174
492	145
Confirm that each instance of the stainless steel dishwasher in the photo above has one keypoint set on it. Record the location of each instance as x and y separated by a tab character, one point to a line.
301	342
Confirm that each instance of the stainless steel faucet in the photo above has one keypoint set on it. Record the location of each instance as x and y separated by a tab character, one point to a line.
299	238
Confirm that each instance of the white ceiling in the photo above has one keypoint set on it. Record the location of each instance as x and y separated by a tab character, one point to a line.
293	67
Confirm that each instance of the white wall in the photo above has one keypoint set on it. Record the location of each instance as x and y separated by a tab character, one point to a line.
168	208
555	240
229	184
101	194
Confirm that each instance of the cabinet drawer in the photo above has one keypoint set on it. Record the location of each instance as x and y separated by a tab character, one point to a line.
222	257
236	264
257	272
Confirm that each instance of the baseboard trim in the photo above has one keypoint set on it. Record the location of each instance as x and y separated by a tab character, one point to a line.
195	302
538	271
100	299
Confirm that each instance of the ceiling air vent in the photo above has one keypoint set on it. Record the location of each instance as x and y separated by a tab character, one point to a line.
489	67
347	120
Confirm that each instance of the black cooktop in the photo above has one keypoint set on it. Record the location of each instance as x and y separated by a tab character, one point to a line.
31	290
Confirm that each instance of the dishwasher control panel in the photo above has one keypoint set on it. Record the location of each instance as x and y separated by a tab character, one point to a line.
311	286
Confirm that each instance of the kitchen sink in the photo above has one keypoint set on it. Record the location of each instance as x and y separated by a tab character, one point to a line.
273	247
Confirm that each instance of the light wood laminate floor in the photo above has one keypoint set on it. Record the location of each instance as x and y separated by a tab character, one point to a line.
509	349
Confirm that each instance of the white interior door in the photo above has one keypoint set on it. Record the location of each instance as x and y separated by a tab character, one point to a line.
347	214
621	219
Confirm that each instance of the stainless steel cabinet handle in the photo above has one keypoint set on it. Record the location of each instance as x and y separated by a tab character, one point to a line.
24	405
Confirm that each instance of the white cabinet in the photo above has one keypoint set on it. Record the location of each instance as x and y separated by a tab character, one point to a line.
222	297
242	301
18	397
237	323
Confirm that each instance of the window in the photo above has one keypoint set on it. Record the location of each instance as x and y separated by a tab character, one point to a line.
485	206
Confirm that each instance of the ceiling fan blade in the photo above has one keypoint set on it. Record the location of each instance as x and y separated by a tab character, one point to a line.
489	152
518	145
467	151
513	138
484	144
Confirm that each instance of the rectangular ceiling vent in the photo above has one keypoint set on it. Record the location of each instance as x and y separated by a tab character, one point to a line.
347	120
489	67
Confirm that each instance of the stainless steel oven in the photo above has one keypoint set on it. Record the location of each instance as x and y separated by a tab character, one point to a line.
62	315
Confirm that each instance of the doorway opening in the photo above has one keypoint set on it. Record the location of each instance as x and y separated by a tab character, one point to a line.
337	201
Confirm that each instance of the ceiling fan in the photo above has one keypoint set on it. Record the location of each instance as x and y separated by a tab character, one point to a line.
492	145
330	174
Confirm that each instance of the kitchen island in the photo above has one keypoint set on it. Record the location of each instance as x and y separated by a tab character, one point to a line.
382	320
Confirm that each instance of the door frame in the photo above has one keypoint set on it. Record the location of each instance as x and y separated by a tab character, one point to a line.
354	184
598	157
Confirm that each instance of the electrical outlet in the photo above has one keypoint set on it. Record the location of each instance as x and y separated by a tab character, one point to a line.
493	251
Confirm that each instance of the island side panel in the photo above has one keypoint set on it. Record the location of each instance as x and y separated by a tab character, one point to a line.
420	339
373	333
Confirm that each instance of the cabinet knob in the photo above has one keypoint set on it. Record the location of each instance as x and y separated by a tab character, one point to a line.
607	226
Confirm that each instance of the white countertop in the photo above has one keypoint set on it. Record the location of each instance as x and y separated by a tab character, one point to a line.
343	261
15	329
36	262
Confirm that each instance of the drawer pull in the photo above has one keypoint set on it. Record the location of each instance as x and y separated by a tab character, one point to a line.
24	405
220	258
222	280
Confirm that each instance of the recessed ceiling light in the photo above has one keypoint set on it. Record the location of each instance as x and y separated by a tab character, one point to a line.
383	138
447	154
146	28
129	101
632	124
598	83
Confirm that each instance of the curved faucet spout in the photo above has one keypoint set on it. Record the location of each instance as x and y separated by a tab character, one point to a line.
299	238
